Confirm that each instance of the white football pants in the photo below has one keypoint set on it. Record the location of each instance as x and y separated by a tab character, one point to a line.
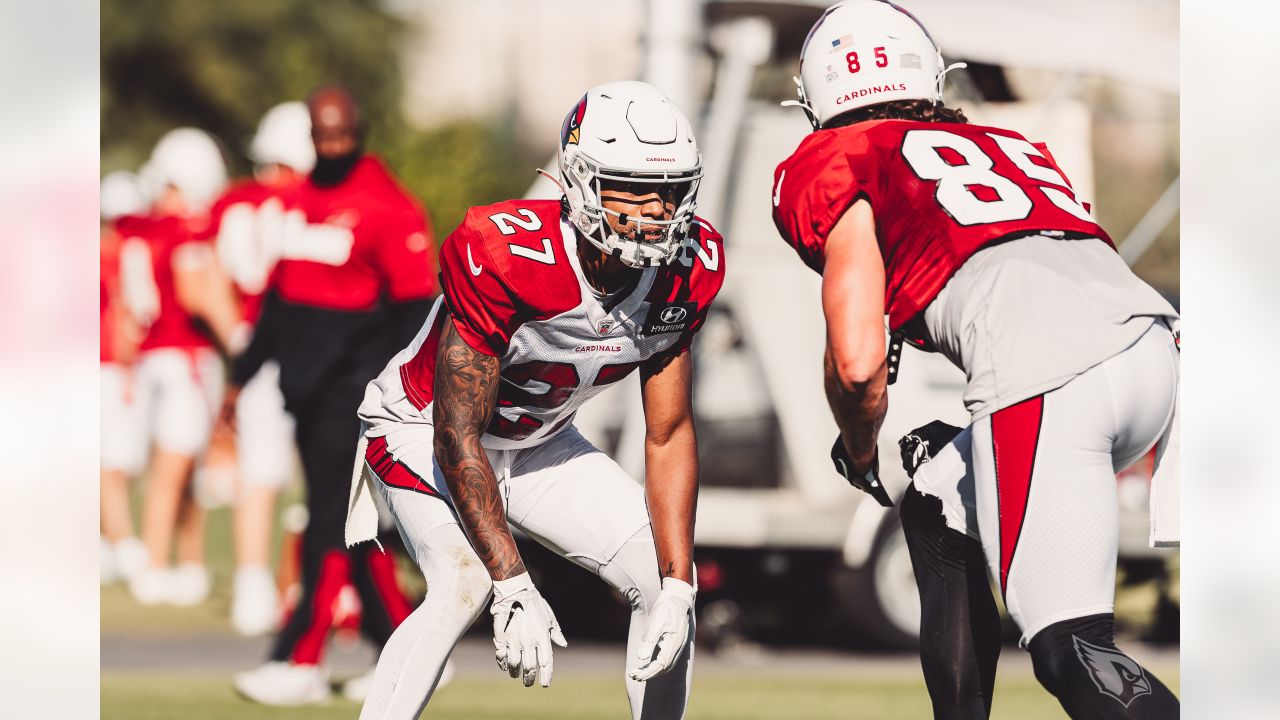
565	494
1035	482
265	449
180	391
121	422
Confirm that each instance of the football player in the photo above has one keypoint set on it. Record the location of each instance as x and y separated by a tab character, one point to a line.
175	290
973	242
353	281
123	435
248	228
471	427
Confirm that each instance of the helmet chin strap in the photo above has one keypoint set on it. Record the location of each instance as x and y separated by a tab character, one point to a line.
552	178
802	103
942	76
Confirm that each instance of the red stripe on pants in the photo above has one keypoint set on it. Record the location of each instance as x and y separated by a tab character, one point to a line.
1015	432
335	570
390	471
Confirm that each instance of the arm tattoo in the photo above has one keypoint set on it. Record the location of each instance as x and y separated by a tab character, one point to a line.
466	389
671	570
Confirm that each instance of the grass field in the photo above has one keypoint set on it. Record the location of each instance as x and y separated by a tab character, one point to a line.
754	693
155	697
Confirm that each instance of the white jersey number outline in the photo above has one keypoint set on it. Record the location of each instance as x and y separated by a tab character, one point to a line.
920	149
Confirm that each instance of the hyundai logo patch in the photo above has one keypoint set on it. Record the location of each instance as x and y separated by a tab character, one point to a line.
672	317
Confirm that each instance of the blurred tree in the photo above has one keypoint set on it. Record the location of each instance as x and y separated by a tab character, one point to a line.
220	65
461	164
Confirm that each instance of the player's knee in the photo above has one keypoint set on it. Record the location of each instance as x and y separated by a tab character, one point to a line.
473	584
923	527
633	571
1067	651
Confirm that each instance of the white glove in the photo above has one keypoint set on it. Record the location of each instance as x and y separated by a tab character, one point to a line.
668	629
523	629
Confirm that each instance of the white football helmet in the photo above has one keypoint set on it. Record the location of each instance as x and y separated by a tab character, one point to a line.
866	52
284	137
629	132
190	160
121	194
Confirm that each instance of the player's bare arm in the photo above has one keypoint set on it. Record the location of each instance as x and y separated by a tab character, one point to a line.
671	462
466	388
203	289
671	492
855	375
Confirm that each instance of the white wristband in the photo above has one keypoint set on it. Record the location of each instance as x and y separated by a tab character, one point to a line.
679	588
503	589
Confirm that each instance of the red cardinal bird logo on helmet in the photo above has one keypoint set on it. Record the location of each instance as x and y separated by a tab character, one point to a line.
572	127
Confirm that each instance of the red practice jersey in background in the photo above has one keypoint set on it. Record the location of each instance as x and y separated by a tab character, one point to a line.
164	239
361	236
939	192
247	228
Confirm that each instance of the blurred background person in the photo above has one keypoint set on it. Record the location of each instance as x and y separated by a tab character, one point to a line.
123	207
247	227
353	284
182	300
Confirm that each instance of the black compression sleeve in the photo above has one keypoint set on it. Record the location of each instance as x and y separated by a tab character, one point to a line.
245	365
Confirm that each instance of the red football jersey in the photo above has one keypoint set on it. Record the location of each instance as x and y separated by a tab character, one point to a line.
352	241
939	191
515	290
247	228
108	286
168	324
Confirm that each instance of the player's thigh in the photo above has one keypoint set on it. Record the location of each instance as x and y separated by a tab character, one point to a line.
401	480
121	423
1143	380
1046	501
948	476
412	448
576	500
264	431
179	392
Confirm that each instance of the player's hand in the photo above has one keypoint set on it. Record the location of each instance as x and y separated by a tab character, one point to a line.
869	481
668	630
923	443
523	630
227	413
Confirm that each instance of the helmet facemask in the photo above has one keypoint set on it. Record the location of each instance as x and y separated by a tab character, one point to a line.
647	241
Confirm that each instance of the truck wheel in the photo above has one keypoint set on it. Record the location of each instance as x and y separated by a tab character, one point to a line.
879	600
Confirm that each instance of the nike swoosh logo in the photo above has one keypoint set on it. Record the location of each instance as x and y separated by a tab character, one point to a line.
777	190
475	269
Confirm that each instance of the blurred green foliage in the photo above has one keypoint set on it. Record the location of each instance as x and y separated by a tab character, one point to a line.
220	65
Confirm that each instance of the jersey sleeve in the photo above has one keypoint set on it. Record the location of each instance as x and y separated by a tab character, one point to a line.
190	249
811	192
405	251
483	308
